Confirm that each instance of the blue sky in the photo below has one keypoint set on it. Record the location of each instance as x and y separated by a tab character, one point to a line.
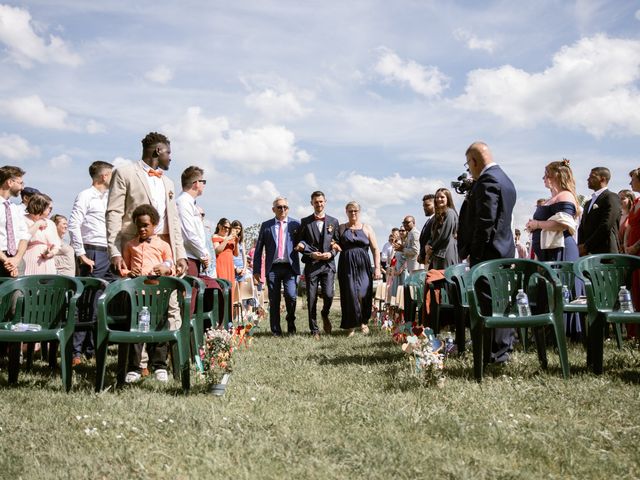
368	100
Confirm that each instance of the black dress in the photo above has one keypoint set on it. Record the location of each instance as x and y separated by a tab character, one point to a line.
356	278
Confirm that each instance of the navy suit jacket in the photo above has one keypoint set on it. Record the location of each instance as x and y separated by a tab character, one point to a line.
485	219
314	241
267	242
598	229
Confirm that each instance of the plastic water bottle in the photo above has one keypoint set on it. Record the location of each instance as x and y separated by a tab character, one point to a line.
624	297
566	294
144	320
522	300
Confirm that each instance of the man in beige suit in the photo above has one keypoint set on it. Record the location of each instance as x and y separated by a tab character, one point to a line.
144	182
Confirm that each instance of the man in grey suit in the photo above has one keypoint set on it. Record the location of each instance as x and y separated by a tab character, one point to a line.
411	250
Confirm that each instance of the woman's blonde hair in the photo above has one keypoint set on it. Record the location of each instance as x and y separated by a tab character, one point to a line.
561	172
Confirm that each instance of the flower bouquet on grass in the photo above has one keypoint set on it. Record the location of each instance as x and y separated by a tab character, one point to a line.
216	358
426	355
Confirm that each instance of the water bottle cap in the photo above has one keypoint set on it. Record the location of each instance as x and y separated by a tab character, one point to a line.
520	290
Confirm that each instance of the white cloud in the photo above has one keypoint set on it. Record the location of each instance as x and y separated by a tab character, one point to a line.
25	46
590	84
637	14
14	147
374	192
160	74
261	197
60	161
95	127
427	81
32	111
253	150
276	106
310	180
121	162
473	42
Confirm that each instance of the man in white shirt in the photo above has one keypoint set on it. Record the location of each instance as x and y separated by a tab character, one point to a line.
192	226
387	252
14	235
88	233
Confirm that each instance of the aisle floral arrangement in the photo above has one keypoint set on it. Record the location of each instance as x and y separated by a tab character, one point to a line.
216	355
426	354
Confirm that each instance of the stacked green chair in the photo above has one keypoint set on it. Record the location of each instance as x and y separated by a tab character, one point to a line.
458	276
48	301
154	293
504	278
603	275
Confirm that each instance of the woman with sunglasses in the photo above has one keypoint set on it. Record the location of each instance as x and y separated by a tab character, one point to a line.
225	244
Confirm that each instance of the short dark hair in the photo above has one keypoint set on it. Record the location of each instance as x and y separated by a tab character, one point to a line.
146	209
602	172
8	172
518	231
38	203
428	196
395	229
152	139
97	167
57	218
190	175
317	193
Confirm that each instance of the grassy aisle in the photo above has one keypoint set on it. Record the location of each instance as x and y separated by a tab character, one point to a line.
338	408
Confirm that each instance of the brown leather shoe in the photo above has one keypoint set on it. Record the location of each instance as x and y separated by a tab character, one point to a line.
326	325
76	361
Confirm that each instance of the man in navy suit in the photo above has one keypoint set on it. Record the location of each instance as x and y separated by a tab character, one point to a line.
282	266
485	231
317	231
598	230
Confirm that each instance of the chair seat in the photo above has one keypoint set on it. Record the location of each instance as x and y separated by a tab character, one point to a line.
619	317
39	336
143	337
518	322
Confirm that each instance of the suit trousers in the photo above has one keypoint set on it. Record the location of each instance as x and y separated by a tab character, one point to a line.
501	338
282	275
325	279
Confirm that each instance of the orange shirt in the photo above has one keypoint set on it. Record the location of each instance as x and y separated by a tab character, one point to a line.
146	255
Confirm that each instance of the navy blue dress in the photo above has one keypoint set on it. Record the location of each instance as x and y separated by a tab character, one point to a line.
567	254
356	278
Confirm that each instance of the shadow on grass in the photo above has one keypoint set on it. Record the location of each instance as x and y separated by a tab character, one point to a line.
368	357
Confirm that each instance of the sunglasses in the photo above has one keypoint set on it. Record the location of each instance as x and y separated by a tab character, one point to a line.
282	207
204	182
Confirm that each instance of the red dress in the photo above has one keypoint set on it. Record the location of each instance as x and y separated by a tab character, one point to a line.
633	235
224	263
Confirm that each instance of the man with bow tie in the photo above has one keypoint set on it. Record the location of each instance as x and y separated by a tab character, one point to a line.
144	182
598	230
317	232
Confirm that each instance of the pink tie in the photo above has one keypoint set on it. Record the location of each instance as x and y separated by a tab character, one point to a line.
11	237
281	241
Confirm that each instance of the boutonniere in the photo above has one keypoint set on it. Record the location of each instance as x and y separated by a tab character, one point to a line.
170	195
330	228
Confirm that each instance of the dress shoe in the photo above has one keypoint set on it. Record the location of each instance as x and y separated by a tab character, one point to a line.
326	325
76	361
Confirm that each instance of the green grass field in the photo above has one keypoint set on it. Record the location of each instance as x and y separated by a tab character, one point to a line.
339	408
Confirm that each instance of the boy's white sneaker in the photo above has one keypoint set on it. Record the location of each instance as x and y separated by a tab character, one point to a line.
162	376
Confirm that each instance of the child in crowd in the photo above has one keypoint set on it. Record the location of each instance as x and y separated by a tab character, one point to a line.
147	255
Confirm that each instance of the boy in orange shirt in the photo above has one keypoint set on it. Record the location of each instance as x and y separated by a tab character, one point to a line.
147	255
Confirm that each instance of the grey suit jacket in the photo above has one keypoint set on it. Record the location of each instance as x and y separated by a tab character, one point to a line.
128	190
412	249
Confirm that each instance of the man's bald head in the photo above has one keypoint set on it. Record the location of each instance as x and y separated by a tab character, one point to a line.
478	156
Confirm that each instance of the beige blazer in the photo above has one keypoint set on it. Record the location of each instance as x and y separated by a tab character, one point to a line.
128	190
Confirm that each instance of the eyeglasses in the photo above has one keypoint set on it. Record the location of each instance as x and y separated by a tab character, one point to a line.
282	207
401	230
406	222
353	211
202	181
226	227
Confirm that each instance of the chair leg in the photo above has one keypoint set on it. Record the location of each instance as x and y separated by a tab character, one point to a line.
53	355
101	364
541	346
14	362
175	360
123	360
561	342
183	355
477	343
460	315
523	338
65	362
29	356
618	329
597	344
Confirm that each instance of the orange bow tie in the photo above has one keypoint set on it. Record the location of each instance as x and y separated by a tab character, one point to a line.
154	173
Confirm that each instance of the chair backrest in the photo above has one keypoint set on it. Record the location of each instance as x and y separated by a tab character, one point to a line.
245	290
85	306
459	276
565	272
506	276
151	292
415	284
44	300
604	274
381	292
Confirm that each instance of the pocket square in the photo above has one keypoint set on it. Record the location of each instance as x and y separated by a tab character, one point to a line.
595	205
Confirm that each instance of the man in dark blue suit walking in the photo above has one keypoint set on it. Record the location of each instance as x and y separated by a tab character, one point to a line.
485	231
317	231
282	266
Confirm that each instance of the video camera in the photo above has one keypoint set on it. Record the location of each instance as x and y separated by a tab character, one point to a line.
463	184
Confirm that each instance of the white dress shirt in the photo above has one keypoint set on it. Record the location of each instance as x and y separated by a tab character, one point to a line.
87	220
594	197
20	231
158	199
386	253
192	227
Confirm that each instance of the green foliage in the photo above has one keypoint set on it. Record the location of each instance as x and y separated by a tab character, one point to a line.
331	409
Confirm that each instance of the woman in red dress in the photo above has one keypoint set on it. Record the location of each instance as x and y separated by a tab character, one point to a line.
632	244
226	247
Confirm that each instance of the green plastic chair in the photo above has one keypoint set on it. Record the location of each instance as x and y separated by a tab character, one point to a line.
505	277
459	277
415	285
45	300
603	275
154	293
198	316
